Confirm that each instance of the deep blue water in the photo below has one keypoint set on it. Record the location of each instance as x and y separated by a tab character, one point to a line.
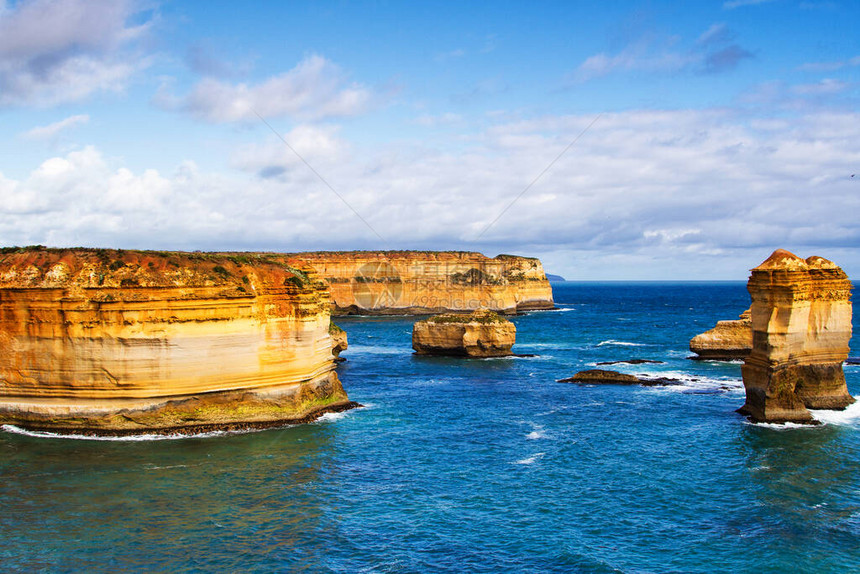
469	466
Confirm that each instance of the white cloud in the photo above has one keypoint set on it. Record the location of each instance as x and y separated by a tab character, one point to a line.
318	145
823	87
703	190
713	52
52	130
830	66
314	89
53	52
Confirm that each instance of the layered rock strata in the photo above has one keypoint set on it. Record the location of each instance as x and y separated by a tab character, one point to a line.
729	340
339	341
479	334
801	321
120	341
427	282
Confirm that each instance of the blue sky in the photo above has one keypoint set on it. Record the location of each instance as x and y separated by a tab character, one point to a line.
724	130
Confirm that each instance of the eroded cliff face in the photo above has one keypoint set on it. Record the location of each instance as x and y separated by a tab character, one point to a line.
122	341
419	282
481	333
727	341
801	321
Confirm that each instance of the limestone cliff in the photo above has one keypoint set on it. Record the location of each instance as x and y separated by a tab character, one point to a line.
123	341
801	321
426	282
727	341
479	334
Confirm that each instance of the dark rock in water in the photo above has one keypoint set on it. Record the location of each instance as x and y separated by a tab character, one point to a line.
631	362
852	361
602	377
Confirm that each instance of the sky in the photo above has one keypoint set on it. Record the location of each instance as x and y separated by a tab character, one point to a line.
613	140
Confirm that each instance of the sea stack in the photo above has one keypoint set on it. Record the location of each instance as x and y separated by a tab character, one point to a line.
118	342
482	333
801	321
729	340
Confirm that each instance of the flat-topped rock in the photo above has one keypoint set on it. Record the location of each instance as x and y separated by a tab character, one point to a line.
117	342
729	340
801	321
479	334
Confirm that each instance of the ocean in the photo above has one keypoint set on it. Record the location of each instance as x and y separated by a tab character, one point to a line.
469	465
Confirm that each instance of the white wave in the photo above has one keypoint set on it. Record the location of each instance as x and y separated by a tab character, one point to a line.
331	417
130	438
780	426
532	459
537	434
687	383
620	343
849	416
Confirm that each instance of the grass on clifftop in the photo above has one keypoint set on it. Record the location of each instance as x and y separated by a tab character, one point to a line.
484	317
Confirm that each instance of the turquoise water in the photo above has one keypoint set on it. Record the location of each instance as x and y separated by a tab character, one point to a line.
469	465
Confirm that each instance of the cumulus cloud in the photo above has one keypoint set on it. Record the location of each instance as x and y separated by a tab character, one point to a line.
58	51
53	130
318	145
314	89
651	189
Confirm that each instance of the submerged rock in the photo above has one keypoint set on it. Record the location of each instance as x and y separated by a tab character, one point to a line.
479	334
729	340
801	321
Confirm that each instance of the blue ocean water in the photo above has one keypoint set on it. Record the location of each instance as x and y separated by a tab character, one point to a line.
469	466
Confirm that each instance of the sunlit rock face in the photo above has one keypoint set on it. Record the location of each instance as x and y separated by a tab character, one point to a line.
727	341
427	282
801	320
481	333
103	340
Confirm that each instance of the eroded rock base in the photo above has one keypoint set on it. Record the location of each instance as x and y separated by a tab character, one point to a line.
229	410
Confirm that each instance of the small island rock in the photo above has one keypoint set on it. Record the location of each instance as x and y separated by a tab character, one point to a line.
729	340
604	377
482	333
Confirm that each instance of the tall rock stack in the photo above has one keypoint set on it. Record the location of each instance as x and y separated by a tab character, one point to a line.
801	321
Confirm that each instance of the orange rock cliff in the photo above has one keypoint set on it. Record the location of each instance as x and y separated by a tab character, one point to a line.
124	341
801	322
427	282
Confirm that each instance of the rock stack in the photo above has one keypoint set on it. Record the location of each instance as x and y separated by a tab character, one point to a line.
727	341
478	334
801	321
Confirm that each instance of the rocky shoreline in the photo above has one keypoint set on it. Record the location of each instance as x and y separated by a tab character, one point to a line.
196	429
